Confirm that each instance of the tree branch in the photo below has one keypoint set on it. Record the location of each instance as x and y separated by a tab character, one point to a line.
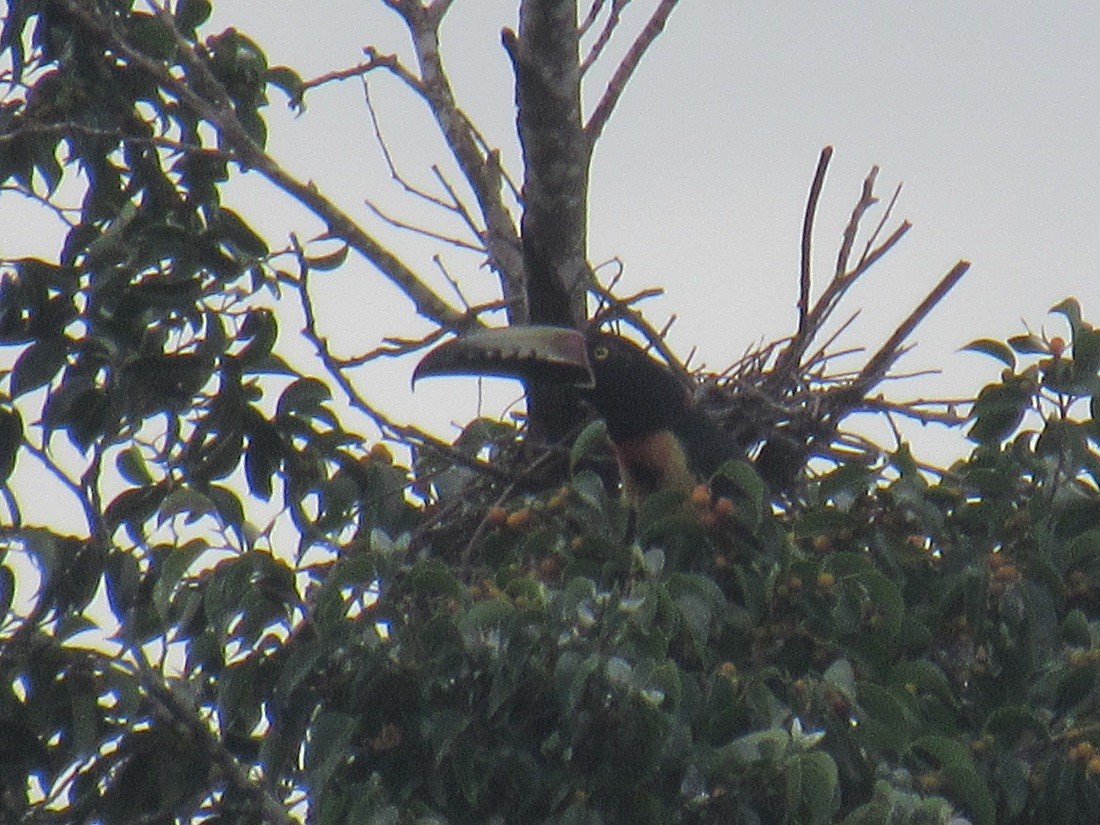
804	282
625	70
879	363
480	167
220	114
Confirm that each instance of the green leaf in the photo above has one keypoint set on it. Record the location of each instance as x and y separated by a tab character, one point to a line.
967	786
190	14
176	563
1083	548
994	349
7	589
1071	309
1012	724
819	788
150	36
11	439
432	577
289	81
256	128
484	617
133	507
131	465
749	490
327	747
1086	355
270	364
228	505
185	500
304	396
591	441
923	676
227	225
38	364
1028	344
260	329
998	410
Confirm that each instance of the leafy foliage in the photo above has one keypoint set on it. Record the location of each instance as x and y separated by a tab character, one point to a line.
436	642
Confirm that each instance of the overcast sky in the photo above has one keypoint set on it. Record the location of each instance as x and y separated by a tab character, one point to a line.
988	112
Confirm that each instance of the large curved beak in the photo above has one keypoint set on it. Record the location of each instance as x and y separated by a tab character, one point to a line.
556	355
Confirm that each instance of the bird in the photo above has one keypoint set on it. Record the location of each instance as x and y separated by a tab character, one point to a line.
661	438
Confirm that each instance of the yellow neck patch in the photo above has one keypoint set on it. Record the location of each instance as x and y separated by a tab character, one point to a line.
653	462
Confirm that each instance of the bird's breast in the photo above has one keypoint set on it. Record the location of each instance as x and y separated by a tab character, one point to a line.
651	462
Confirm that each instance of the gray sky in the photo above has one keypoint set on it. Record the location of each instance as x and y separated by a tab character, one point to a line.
988	112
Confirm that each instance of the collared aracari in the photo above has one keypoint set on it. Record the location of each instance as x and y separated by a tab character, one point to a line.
661	438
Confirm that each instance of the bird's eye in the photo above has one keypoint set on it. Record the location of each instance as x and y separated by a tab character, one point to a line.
600	352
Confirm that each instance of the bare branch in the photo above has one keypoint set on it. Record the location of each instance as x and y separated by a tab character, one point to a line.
590	18
625	70
868	247
786	368
454	206
926	412
457	206
615	308
880	363
613	18
479	165
375	60
866	200
804	282
421	230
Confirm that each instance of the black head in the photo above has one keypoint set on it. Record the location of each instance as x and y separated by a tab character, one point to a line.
633	391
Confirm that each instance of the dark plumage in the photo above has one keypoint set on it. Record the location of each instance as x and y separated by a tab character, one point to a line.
661	438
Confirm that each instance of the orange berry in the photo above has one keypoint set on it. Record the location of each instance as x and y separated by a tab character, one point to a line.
520	519
723	508
1057	346
700	496
559	499
826	580
496	516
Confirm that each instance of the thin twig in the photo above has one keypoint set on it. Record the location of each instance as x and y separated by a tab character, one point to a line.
804	281
397	223
452	281
590	18
604	37
881	361
456	205
866	200
916	410
480	166
881	224
617	85
374	61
